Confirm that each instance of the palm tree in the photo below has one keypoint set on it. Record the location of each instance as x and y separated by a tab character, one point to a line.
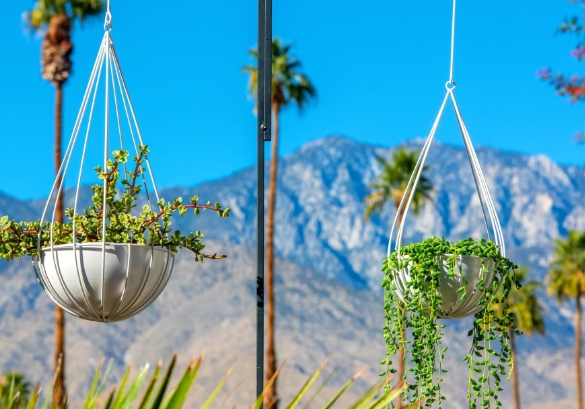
289	87
566	280
528	316
56	18
391	184
392	181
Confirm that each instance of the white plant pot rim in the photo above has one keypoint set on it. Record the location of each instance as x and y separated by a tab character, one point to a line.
100	243
455	309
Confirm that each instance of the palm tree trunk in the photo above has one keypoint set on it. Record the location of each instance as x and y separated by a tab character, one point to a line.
271	396
515	383
578	351
400	373
59	391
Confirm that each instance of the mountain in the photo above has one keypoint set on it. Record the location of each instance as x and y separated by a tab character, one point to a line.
328	272
321	192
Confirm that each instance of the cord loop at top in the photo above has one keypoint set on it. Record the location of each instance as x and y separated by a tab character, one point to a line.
108	20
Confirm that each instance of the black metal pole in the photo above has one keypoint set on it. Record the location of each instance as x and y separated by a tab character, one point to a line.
264	130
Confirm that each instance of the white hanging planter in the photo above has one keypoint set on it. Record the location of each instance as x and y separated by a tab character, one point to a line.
467	269
103	281
87	264
105	285
468	266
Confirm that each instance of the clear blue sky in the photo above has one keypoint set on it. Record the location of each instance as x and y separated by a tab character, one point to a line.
379	68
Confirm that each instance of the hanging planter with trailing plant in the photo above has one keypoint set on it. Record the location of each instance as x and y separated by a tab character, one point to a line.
434	279
109	261
437	279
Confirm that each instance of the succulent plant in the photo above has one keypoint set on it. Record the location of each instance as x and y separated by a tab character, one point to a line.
420	309
123	225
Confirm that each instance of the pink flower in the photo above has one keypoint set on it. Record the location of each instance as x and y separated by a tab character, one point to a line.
544	74
579	52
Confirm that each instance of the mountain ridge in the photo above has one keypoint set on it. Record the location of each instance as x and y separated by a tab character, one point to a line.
321	238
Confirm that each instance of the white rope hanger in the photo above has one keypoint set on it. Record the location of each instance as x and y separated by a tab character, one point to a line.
492	223
108	72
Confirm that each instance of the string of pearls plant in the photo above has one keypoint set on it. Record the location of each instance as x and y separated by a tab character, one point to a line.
421	307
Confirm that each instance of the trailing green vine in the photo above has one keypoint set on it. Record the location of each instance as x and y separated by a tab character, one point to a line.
489	357
148	227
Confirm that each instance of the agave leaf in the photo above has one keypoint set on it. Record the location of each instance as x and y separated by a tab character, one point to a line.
11	389
150	387
101	385
185	384
117	404
110	400
134	388
15	403
167	399
94	390
387	397
34	397
344	388
230	393
260	399
318	391
48	397
93	386
307	385
165	383
217	389
368	396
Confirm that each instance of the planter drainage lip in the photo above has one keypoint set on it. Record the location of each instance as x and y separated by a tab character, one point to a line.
104	282
472	268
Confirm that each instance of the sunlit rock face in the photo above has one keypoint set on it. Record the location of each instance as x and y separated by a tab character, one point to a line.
320	205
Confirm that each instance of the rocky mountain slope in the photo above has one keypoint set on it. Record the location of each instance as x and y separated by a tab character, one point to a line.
328	272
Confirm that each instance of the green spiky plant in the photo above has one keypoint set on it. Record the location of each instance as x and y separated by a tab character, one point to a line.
156	392
149	227
421	309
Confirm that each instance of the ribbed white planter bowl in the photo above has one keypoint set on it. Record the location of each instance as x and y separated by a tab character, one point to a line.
133	277
468	267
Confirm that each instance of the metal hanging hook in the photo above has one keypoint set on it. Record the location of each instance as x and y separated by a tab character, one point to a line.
108	20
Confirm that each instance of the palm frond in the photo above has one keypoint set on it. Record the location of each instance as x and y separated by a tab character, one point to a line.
524	304
289	87
566	277
80	10
392	182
